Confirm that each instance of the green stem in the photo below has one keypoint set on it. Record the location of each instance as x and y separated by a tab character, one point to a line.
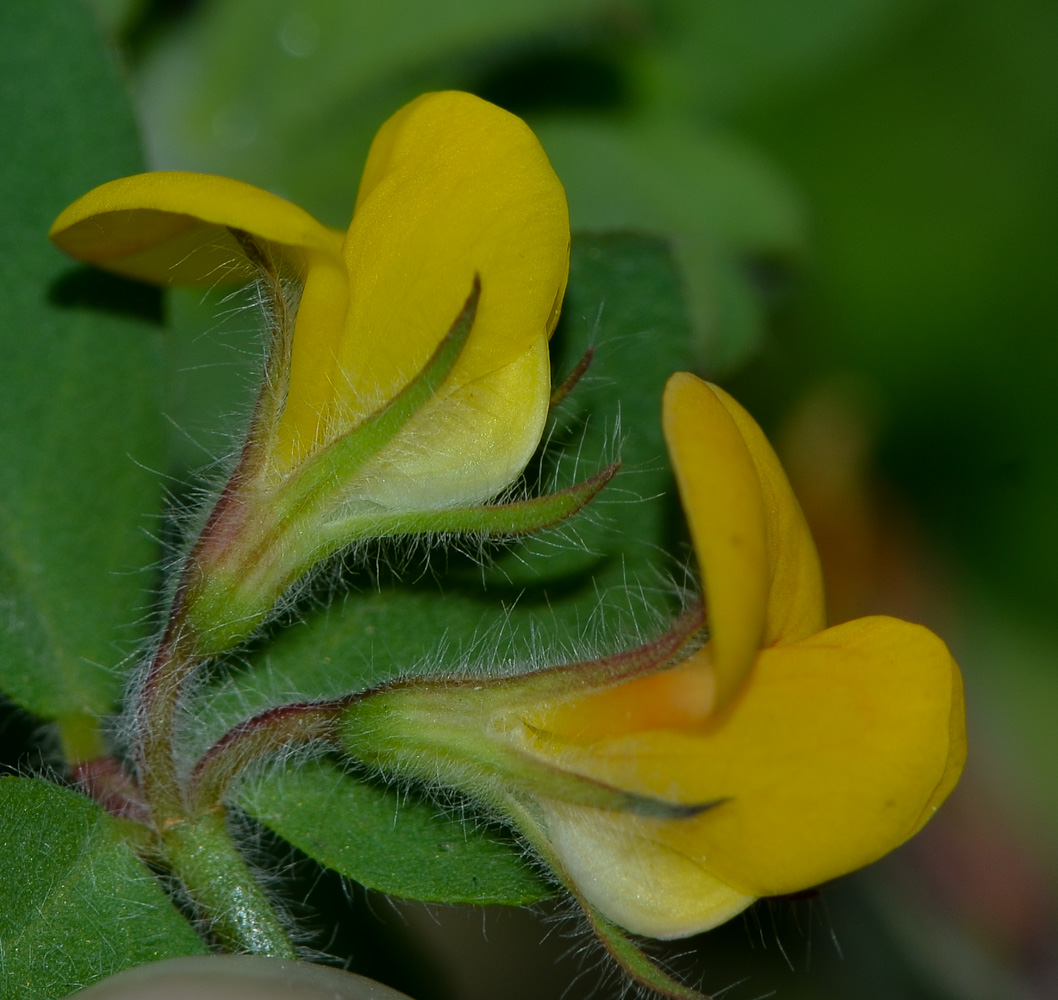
201	854
156	725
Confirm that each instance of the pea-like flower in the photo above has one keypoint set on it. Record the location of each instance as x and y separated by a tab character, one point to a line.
408	378
454	188
761	755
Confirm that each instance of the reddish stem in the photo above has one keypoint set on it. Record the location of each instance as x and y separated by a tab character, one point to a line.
178	656
284	728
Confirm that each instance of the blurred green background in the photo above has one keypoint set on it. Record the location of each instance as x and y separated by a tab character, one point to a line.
862	196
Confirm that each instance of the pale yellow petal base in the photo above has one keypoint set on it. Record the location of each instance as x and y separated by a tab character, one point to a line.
638	882
467	444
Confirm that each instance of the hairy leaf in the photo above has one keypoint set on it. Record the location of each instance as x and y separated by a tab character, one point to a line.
80	421
386	840
76	904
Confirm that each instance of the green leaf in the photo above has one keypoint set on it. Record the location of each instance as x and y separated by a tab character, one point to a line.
725	208
725	56
80	423
76	905
389	841
598	583
117	16
672	177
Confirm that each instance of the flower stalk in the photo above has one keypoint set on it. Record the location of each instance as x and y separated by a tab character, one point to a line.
285	728
156	725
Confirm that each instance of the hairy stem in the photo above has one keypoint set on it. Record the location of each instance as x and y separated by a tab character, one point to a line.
282	728
225	892
156	714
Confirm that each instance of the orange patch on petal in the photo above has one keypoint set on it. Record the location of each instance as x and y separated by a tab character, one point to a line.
677	698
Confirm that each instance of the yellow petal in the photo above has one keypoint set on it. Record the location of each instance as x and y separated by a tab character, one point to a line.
670	699
318	324
722	500
646	887
795	595
173	227
838	748
760	570
453	187
759	566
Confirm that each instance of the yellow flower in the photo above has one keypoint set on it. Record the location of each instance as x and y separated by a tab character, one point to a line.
454	188
672	786
408	376
823	749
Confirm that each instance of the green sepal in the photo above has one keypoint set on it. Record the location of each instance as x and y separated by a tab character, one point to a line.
275	380
450	732
267	539
635	962
560	392
503	520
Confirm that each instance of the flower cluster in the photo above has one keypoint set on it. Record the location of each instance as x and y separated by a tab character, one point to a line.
751	751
